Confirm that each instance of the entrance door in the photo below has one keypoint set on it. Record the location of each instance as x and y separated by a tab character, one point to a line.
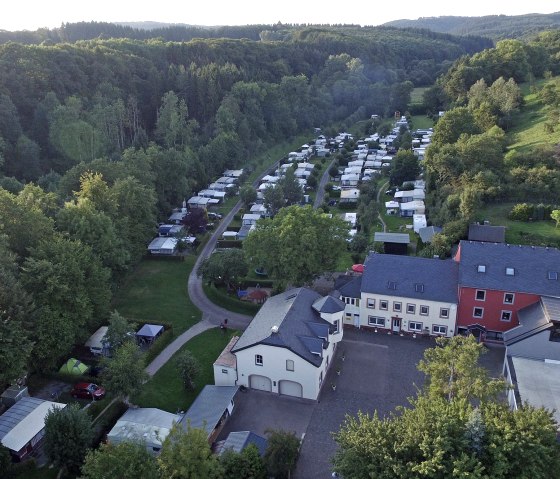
396	325
356	320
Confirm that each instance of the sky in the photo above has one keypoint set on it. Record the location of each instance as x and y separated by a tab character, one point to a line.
33	14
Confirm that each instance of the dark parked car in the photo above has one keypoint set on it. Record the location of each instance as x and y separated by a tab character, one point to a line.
87	391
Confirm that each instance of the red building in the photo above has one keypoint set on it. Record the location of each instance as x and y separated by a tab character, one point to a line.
496	280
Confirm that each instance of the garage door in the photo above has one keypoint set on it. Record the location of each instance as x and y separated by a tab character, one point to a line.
290	388
260	382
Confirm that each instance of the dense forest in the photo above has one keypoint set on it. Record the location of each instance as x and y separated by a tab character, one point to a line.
100	138
497	27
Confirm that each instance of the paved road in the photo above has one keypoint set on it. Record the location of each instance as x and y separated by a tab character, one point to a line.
321	187
212	314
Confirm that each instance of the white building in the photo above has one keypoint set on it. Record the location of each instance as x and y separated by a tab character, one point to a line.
289	345
403	295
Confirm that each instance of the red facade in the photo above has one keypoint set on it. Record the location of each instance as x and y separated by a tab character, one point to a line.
494	308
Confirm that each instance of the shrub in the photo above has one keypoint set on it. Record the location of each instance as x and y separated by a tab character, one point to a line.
521	212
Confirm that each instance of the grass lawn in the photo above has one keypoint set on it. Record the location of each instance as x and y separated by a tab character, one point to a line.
520	232
417	95
421	122
165	390
157	291
529	123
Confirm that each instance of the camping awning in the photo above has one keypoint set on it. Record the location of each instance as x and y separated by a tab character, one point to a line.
150	330
358	268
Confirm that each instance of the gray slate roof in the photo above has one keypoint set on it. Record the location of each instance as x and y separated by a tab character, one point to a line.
401	238
208	407
292	312
491	234
532	320
353	288
438	277
427	233
531	265
328	304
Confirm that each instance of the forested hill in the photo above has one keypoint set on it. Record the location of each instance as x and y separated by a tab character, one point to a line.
497	27
73	32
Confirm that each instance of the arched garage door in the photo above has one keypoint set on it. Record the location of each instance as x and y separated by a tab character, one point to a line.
260	382
290	388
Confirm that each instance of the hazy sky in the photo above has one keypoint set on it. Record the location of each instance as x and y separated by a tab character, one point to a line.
33	14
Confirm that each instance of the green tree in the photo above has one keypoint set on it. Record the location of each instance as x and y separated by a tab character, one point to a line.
185	454
274	199
119	330
453	371
293	193
405	167
453	124
297	245
127	460
172	126
125	372
248	195
5	460
228	266
281	453
555	215
68	434
248	464
189	369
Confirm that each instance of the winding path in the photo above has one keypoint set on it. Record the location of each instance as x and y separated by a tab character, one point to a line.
381	188
212	314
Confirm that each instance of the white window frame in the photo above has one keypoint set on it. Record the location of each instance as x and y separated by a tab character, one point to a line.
258	360
397	306
384	302
427	313
371	303
502	316
410	308
481	312
439	329
512	298
288	361
483	291
415	329
444	313
336	325
376	321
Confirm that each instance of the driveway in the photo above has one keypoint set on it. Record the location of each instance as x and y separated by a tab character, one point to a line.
378	373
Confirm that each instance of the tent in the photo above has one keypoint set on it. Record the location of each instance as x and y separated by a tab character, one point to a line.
149	333
74	366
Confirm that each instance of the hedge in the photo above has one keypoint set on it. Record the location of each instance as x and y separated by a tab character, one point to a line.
229	244
159	345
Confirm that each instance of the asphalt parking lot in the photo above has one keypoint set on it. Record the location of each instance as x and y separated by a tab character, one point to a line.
378	373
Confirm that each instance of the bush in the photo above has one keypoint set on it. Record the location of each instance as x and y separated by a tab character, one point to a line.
521	212
263	283
229	244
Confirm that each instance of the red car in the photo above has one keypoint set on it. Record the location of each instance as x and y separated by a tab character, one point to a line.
88	391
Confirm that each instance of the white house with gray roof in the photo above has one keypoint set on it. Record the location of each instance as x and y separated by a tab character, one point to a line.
403	295
289	345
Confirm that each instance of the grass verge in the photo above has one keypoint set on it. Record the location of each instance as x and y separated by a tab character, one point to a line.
165	389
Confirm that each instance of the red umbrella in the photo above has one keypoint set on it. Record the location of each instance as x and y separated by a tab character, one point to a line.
358	268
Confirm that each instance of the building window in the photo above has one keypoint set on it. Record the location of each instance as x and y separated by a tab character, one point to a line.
444	313
321	378
414	326
510	271
424	310
258	360
224	371
384	304
371	303
478	312
348	316
289	365
553	275
437	329
376	321
411	308
481	268
336	326
505	316
397	306
419	287
509	298
480	295
493	336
